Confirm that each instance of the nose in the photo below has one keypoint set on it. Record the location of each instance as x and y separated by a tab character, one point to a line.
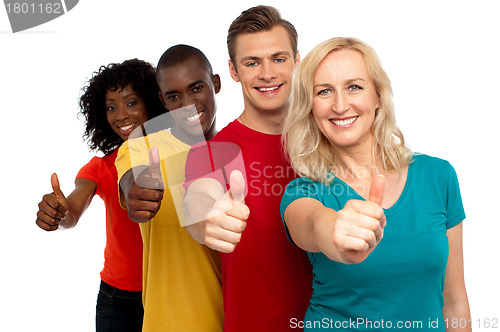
340	104
122	113
188	99
267	71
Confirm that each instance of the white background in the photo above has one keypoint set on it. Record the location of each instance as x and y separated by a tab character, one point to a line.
442	58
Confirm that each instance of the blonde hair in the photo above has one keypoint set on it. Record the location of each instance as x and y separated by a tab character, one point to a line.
308	150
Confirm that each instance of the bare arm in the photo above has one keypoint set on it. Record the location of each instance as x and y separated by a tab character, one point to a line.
199	200
456	304
215	218
55	210
347	236
143	195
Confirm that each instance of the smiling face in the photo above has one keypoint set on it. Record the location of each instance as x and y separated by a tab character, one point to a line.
125	110
264	65
345	99
189	83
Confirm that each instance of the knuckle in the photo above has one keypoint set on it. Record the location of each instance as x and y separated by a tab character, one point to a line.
342	214
209	241
360	246
373	225
370	236
350	203
237	239
337	239
246	212
240	227
230	248
209	233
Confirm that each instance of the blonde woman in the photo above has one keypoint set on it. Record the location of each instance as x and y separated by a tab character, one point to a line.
382	226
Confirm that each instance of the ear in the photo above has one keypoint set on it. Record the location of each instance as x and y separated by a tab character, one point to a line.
233	72
297	58
216	82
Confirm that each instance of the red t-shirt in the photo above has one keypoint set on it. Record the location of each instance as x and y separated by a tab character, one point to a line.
123	252
267	281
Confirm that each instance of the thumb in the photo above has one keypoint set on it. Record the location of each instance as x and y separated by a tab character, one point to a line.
377	190
237	186
54	181
154	163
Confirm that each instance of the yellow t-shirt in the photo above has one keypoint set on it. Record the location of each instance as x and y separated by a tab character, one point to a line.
182	288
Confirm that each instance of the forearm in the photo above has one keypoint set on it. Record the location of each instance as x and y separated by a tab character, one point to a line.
311	226
126	183
196	207
70	220
199	200
457	316
78	202
456	310
322	221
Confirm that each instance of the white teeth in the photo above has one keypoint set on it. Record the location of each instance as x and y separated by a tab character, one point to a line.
268	89
344	122
127	127
195	117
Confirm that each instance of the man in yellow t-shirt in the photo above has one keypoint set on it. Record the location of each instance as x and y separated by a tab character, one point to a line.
181	278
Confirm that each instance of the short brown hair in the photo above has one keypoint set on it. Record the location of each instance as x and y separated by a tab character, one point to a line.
256	19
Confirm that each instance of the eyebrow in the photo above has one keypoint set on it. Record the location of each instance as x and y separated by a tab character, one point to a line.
351	80
126	96
274	55
192	85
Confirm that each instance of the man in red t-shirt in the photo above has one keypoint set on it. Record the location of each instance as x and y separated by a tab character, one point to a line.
266	280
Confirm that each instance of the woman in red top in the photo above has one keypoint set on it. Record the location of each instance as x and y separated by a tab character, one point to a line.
117	99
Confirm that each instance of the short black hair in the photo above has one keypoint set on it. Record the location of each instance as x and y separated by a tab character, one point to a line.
180	53
137	73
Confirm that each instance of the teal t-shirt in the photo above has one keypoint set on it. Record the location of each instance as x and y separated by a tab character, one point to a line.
400	284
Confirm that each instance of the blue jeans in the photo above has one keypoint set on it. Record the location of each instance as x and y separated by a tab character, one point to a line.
118	310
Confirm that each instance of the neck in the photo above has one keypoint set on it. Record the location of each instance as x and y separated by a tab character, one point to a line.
190	139
264	122
211	132
356	162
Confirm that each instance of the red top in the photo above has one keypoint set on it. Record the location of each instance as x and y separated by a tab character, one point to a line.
123	252
267	281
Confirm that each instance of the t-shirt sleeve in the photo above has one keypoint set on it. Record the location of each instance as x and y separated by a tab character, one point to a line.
91	172
132	153
454	207
297	188
215	160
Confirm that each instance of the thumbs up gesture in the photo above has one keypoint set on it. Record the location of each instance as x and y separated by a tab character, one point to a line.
146	191
360	225
53	207
226	221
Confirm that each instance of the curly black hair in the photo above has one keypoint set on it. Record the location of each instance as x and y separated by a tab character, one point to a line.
141	75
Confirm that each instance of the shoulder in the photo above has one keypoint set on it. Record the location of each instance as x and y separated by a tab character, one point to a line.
228	133
93	163
432	169
429	162
159	137
305	187
163	137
